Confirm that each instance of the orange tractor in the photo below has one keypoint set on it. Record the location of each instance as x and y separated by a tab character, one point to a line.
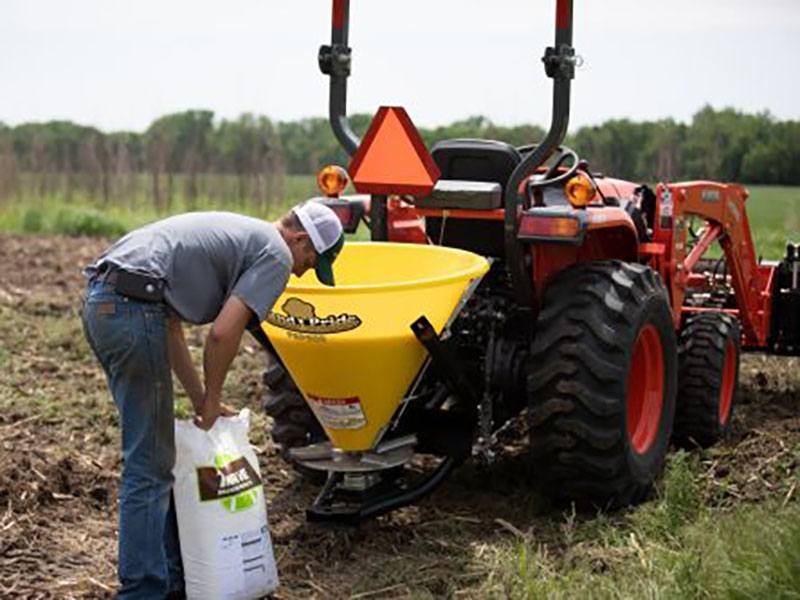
597	316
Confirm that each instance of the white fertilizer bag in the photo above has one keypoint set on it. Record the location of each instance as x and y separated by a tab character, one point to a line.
222	516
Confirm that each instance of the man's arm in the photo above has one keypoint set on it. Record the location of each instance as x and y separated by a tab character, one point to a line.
182	364
221	347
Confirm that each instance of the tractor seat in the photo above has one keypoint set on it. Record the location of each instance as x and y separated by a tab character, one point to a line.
474	174
455	193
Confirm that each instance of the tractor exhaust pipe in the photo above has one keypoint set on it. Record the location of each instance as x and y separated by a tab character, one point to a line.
559	64
335	61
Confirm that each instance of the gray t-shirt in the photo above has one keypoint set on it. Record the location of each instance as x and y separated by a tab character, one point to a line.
205	258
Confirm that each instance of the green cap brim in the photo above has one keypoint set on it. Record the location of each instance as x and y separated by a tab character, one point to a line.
325	271
325	260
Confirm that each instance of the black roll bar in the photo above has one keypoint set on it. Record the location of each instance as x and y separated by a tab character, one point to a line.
559	62
335	60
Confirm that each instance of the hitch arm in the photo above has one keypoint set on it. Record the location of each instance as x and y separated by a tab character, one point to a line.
444	363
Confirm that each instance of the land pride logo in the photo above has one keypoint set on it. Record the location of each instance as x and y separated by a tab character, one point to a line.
233	481
300	316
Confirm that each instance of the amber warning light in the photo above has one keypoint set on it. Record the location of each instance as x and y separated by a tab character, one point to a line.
332	181
580	191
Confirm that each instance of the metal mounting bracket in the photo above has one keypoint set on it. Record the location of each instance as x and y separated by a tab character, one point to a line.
335	60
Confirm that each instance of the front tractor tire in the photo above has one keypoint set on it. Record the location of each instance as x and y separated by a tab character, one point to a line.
602	384
708	379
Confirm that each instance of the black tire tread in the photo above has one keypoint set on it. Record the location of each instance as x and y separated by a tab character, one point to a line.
276	378
293	422
577	382
701	358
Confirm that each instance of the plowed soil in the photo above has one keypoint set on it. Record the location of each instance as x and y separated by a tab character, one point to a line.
59	464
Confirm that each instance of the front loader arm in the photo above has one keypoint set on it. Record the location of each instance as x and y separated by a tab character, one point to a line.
723	208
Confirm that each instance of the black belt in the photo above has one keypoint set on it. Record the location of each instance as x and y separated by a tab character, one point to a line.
147	288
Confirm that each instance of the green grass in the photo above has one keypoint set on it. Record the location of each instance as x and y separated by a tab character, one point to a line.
774	212
674	547
83	214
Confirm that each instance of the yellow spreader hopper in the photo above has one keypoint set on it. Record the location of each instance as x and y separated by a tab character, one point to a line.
350	348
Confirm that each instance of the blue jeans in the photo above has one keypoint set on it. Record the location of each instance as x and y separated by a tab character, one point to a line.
129	339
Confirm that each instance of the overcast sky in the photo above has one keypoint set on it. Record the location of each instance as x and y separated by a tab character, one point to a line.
120	64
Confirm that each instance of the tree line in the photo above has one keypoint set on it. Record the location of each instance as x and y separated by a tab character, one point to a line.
178	156
189	155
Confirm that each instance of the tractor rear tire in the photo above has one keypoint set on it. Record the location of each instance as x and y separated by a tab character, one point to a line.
708	379
602	384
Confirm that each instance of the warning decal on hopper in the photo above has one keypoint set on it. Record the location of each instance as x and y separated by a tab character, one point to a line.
338	413
393	159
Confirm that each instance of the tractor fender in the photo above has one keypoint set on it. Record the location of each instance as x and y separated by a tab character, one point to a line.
609	234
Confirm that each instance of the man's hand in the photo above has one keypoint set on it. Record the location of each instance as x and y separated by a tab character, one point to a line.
208	414
211	411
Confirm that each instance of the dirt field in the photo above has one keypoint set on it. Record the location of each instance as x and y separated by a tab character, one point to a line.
59	464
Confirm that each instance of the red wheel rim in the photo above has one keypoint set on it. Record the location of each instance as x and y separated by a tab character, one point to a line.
728	383
645	390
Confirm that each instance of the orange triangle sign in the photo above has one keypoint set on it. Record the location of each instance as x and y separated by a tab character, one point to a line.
392	158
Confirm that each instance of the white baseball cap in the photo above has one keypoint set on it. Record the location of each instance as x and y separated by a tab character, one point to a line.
326	233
